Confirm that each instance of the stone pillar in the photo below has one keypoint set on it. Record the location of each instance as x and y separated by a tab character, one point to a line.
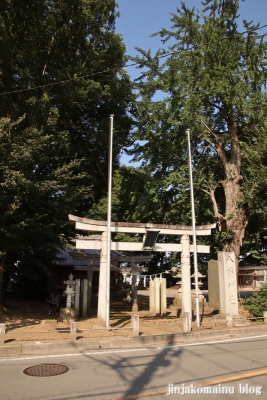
90	269
186	284
102	289
213	284
154	294
2	334
84	299
134	288
77	295
157	296
135	325
163	296
187	322
151	297
228	284
73	331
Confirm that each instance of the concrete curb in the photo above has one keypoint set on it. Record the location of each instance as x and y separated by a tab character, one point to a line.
81	346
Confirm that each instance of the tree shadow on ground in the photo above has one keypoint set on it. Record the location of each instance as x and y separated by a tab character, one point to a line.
21	314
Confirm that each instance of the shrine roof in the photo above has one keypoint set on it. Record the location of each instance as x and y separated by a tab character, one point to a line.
66	257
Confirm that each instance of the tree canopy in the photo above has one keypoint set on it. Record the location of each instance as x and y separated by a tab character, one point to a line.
61	77
211	80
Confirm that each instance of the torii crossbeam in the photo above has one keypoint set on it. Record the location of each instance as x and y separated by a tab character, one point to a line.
142	228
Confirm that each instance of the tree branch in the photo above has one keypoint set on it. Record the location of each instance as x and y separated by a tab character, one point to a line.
210	131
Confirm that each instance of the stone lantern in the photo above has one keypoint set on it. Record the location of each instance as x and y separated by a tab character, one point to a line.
70	290
178	296
69	314
202	300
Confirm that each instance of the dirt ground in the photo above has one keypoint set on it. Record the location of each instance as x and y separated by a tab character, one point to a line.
25	322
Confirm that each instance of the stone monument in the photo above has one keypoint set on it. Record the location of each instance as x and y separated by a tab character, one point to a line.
228	299
213	284
157	297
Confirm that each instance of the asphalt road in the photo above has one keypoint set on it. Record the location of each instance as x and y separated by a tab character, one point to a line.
235	367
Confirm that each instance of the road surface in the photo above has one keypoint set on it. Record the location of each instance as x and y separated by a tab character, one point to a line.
235	367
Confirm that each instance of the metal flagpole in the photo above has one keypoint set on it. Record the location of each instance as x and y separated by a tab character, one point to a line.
109	217
194	227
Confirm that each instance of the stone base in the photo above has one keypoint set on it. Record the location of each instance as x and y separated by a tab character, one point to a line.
68	315
201	300
127	299
202	305
177	302
240	321
229	321
218	320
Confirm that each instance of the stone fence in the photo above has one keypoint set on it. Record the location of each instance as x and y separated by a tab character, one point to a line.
74	329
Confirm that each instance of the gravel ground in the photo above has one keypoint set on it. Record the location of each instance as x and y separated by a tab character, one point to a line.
25	322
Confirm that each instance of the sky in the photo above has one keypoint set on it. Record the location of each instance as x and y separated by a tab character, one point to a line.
141	18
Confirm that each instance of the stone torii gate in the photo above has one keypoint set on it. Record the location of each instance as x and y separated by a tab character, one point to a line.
150	232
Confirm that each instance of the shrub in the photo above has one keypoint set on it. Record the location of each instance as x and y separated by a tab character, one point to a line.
257	303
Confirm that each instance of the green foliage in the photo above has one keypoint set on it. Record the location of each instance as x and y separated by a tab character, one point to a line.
123	237
212	82
140	196
60	79
257	303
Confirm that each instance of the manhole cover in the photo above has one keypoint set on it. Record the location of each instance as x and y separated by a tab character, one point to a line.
46	370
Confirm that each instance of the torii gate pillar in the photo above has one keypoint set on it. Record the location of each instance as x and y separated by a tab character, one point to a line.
102	289
134	288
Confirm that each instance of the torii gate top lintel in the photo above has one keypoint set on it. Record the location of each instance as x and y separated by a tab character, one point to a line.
131	227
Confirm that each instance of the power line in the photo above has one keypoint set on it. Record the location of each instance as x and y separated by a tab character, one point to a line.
132	64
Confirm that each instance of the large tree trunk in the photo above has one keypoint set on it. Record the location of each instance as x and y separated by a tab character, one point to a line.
234	220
